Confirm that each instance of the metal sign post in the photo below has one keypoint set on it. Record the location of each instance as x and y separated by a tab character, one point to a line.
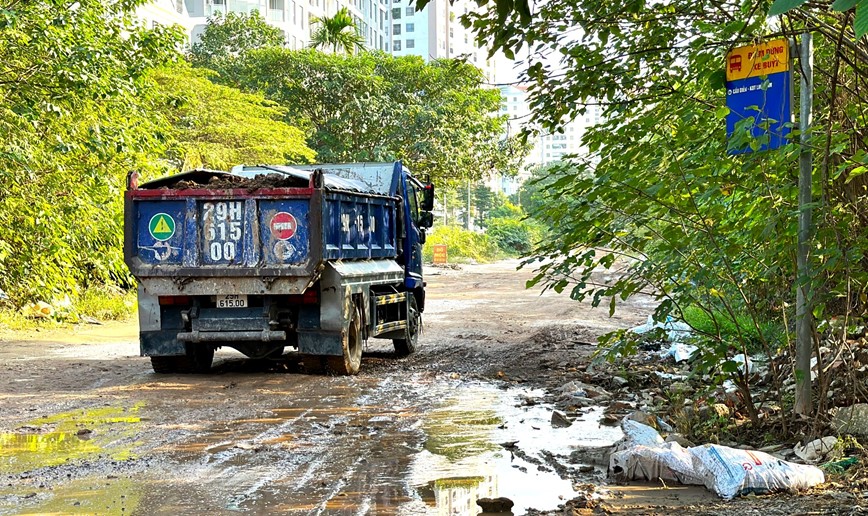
804	317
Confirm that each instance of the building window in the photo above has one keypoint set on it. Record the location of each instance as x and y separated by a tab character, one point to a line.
411	43
396	29
411	27
396	13
409	11
396	46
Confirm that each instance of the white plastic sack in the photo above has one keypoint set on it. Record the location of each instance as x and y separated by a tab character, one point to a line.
679	351
676	331
669	462
730	472
638	434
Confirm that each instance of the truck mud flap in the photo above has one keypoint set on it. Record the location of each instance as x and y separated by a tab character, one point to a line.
320	343
160	343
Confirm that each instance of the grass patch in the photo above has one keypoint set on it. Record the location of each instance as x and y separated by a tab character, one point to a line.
107	304
729	329
101	303
462	245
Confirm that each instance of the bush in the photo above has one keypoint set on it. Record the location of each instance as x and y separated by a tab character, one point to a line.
463	245
512	235
732	330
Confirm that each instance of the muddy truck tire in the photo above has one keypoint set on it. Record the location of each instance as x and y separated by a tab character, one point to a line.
197	361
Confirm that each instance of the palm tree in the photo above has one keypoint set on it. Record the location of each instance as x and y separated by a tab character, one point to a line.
338	31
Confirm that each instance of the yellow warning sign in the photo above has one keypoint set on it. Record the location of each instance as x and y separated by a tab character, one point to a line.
162	226
756	60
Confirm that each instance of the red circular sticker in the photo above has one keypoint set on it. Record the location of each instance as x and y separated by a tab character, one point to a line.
283	225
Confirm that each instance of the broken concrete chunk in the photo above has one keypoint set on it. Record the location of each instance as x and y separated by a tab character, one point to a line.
501	504
851	420
560	420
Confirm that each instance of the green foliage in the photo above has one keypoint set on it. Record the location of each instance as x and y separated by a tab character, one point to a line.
338	32
217	127
533	194
227	37
88	96
69	80
484	201
860	22
513	235
730	329
659	200
106	304
462	245
436	116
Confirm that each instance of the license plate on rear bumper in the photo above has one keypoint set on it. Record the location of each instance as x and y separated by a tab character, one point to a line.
232	301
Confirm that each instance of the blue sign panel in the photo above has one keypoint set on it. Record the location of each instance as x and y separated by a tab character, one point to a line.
284	228
160	238
767	100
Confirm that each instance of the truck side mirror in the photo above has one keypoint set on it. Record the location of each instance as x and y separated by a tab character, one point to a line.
428	197
426	219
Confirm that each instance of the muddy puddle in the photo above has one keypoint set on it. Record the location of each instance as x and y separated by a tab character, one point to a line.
479	444
422	445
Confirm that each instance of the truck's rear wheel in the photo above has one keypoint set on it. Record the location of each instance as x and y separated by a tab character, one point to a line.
352	346
407	345
197	360
313	364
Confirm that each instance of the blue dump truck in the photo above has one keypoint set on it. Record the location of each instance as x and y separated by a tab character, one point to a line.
317	257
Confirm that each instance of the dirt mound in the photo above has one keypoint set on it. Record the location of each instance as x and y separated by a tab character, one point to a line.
228	182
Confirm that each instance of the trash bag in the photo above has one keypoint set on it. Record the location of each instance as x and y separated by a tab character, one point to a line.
643	455
668	462
730	472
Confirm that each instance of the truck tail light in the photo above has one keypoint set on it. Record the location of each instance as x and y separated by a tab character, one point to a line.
310	297
175	300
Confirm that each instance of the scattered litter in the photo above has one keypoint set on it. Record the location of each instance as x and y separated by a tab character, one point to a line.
741	359
667	461
676	331
679	351
38	310
839	466
729	472
816	450
670	376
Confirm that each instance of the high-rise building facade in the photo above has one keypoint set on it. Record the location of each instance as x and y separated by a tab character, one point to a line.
436	32
393	26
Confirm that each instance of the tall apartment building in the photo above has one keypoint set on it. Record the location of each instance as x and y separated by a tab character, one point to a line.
293	17
435	32
546	148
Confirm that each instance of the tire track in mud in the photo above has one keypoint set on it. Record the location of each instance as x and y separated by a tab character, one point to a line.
336	454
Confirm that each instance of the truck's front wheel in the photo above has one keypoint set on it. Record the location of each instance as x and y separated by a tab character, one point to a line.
407	345
197	360
352	346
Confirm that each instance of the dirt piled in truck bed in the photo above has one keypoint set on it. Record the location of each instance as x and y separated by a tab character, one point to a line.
229	182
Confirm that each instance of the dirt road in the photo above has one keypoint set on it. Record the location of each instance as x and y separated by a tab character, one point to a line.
88	428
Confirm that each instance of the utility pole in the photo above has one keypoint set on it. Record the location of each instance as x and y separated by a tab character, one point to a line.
467	222
804	316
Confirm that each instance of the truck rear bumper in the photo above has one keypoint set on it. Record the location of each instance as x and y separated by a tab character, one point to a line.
231	336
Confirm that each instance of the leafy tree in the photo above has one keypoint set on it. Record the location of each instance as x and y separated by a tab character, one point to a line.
216	126
485	200
435	116
338	32
662	199
227	37
88	96
70	77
